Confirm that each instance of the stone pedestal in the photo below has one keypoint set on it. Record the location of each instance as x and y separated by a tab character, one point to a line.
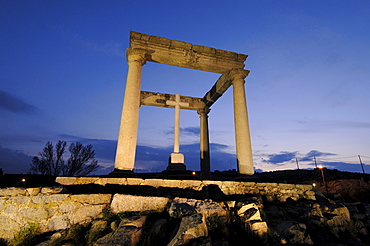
176	162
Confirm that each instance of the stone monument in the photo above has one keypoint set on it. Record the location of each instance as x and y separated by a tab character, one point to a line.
146	48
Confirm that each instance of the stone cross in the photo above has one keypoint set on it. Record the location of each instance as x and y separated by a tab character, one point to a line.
177	103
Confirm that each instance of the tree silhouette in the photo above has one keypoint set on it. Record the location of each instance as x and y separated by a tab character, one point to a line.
77	162
50	160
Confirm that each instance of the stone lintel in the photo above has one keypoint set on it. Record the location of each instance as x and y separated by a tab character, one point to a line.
159	100
222	84
183	54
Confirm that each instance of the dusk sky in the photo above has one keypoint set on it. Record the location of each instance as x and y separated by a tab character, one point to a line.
63	72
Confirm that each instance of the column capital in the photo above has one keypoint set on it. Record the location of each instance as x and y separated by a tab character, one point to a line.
236	74
204	110
135	55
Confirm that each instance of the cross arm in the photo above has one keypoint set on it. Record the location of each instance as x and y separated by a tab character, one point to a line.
161	100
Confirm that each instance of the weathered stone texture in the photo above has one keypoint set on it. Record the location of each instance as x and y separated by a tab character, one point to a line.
92	198
272	191
181	207
193	226
44	206
121	203
127	234
13	191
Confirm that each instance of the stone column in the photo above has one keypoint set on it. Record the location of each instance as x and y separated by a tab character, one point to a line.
127	137
242	134
205	165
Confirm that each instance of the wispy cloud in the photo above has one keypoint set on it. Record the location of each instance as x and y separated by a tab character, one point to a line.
11	103
188	131
282	157
314	153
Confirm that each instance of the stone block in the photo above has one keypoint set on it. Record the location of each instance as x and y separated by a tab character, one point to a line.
92	198
49	198
120	181
13	191
250	212
191	227
86	214
65	208
87	180
181	207
180	45
294	233
8	227
66	180
10	209
259	228
20	200
135	35
154	182
128	233
192	184
172	183
59	223
33	191
135	181
52	190
34	213
177	158
2	202
160	40
242	57
122	203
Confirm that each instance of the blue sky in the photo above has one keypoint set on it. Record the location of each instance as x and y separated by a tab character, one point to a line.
63	72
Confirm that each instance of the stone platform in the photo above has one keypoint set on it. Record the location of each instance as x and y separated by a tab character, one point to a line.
272	191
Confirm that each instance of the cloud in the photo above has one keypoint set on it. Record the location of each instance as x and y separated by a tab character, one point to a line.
314	153
282	157
190	131
14	161
11	103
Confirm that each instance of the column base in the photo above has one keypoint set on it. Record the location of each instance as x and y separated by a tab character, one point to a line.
176	162
122	173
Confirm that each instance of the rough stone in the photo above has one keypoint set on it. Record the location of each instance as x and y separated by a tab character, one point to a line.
121	203
98	227
250	212
259	228
33	191
127	234
13	191
59	223
21	200
181	207
34	213
92	198
57	198
52	190
191	227
86	214
8	227
293	232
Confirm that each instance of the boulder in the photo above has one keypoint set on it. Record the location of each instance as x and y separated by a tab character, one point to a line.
127	234
122	203
181	207
293	232
191	227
